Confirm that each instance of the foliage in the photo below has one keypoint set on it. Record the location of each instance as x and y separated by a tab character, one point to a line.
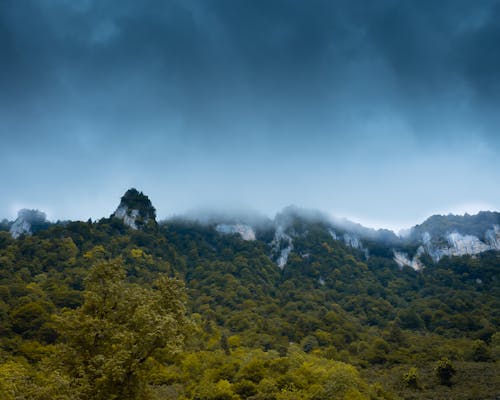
260	332
480	351
108	341
410	378
445	371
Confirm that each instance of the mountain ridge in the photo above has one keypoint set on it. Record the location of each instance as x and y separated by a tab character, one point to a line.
300	286
437	236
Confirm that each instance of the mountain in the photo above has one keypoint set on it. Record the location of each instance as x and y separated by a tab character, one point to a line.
438	236
281	308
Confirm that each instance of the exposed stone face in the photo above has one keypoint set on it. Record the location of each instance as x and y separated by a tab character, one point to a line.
402	259
27	222
120	212
352	241
129	217
457	244
465	244
282	245
294	223
20	227
135	209
245	231
493	237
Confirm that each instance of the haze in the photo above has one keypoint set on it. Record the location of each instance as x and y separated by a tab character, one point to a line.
384	112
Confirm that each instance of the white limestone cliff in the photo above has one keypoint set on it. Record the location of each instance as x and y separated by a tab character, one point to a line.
20	227
457	245
246	232
26	219
129	217
402	259
282	244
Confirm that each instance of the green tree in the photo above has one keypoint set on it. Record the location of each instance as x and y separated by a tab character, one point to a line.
480	351
224	344
13	375
444	371
108	341
410	379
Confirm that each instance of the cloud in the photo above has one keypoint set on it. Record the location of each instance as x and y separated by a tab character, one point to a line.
286	92
260	61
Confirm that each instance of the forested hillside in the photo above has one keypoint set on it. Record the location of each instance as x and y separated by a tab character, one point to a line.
179	309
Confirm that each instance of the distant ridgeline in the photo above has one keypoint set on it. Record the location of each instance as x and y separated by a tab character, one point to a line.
437	237
280	305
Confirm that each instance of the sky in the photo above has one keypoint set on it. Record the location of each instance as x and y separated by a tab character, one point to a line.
383	112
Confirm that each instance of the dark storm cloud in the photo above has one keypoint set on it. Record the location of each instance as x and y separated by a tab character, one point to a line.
206	60
347	91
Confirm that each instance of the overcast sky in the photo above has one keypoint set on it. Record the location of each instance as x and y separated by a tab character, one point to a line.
382	111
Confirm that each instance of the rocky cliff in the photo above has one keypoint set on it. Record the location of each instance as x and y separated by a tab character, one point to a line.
135	210
28	222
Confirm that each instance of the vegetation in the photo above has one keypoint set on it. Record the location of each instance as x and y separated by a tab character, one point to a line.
99	311
445	371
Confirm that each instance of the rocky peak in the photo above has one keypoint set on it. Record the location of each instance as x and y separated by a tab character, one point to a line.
135	209
28	222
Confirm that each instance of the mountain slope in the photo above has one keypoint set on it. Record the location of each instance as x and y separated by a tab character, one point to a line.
300	283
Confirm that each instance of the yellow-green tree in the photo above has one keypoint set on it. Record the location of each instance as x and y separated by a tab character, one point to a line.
108	342
444	371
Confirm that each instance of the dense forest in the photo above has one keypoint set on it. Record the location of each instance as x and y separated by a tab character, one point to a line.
179	310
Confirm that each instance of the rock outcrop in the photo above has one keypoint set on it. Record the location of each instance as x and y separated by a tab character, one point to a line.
282	246
402	259
245	231
135	210
451	244
28	222
459	244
